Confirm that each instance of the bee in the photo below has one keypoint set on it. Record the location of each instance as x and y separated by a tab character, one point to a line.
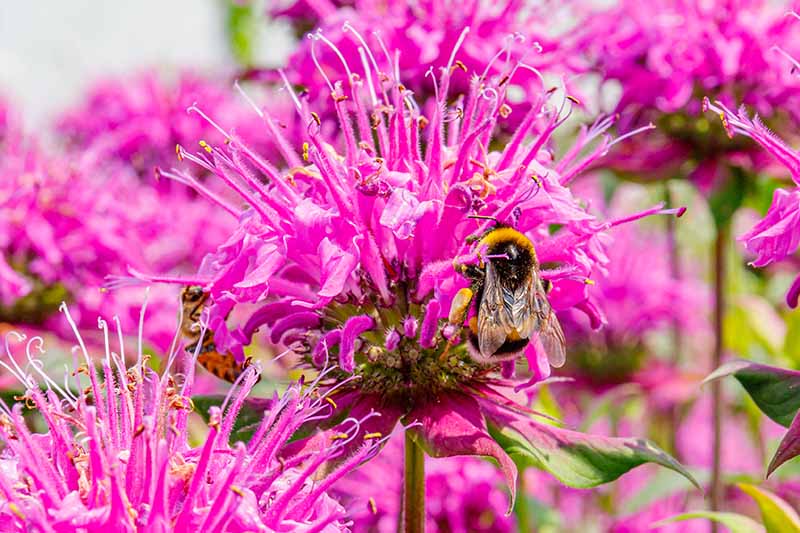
224	366
510	298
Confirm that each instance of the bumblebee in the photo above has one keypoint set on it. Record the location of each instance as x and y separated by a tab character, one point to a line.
510	299
224	366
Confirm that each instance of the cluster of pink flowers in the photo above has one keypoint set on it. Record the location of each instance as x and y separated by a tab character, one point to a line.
349	254
665	57
118	453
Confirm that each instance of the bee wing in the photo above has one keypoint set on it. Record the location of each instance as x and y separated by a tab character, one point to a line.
536	318
494	320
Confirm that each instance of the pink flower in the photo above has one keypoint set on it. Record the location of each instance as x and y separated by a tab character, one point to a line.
139	119
424	33
777	235
117	455
461	494
348	255
641	296
664	55
68	220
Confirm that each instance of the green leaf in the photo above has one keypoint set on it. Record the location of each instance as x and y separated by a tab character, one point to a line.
775	390
250	415
777	515
576	459
242	29
736	523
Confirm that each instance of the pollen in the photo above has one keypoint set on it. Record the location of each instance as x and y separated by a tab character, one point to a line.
588	281
373	508
330	401
339	436
179	152
15	509
376	435
305	152
573	99
316	118
204	145
236	490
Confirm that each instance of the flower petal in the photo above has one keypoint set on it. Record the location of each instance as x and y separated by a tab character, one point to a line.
453	425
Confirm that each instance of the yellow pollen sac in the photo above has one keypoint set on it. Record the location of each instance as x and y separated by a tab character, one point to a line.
372	506
588	281
375	435
178	152
505	110
204	145
236	490
305	152
15	509
330	401
316	118
573	99
340	436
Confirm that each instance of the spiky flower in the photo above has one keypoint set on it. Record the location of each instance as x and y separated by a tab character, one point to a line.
666	55
423	35
348	255
139	119
117	453
67	220
777	235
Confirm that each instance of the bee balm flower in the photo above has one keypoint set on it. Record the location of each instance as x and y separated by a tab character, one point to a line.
117	453
348	255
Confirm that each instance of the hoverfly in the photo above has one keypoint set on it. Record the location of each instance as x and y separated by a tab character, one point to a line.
224	366
510	298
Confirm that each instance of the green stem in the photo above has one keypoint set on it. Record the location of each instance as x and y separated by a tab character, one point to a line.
521	506
414	487
716	386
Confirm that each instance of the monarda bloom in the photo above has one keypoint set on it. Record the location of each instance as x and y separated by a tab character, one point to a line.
777	235
139	119
68	220
117	454
348	257
664	56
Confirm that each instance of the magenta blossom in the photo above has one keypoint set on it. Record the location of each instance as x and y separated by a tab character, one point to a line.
665	55
414	40
117	456
348	257
461	494
66	222
642	296
777	235
139	119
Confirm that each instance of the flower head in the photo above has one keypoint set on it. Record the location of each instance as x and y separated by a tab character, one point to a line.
117	453
68	220
411	37
666	55
349	254
777	235
139	119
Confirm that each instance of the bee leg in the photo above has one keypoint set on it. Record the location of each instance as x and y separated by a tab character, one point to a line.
470	272
458	312
459	306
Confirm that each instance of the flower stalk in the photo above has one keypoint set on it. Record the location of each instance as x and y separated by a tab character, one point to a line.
716	386
414	487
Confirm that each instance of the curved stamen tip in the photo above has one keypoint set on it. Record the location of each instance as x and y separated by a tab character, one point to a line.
706	104
681	211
